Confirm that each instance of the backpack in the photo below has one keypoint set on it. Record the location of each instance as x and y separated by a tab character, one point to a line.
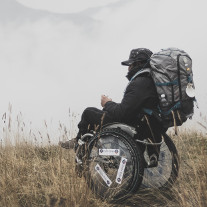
171	70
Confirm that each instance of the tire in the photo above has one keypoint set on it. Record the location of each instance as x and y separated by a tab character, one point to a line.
165	174
113	177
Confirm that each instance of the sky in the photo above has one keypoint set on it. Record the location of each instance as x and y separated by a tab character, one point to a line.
65	6
61	55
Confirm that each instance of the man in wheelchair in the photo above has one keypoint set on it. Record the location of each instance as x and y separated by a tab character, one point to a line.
140	93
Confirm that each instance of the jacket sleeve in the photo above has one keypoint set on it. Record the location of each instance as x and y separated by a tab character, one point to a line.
135	96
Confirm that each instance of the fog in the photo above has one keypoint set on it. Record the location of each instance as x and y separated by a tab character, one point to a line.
52	62
65	6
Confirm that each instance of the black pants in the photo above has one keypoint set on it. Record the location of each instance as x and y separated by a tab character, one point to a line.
93	119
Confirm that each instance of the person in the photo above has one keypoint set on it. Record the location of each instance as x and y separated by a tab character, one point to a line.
140	93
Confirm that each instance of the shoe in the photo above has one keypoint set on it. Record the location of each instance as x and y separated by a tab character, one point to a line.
153	161
68	144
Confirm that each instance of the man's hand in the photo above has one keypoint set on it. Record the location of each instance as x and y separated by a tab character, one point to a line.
104	100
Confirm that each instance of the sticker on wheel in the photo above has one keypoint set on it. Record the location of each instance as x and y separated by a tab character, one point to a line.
103	175
121	169
109	152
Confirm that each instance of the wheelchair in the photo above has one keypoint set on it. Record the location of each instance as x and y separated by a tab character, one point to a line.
114	163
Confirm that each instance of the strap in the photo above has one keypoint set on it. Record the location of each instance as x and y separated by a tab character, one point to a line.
147	111
152	112
179	81
175	82
190	79
144	70
176	106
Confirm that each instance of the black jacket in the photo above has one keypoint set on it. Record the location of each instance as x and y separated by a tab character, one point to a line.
140	92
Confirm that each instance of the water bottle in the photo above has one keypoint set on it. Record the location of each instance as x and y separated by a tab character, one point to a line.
163	103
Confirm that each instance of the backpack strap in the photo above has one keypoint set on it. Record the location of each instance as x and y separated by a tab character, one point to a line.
144	70
151	112
171	83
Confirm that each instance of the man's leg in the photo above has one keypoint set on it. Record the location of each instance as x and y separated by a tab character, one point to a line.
91	119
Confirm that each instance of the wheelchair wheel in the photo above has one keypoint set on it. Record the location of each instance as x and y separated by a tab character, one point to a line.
114	165
164	175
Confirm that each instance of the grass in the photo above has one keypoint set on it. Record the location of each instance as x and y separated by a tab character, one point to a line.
44	175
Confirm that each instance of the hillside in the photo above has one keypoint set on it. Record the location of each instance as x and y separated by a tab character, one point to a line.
36	175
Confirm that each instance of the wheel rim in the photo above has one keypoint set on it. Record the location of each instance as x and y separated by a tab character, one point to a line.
159	176
111	174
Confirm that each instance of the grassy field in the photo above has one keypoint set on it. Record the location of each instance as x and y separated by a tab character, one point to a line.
37	175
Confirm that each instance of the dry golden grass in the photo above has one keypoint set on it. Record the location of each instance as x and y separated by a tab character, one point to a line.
32	175
41	176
